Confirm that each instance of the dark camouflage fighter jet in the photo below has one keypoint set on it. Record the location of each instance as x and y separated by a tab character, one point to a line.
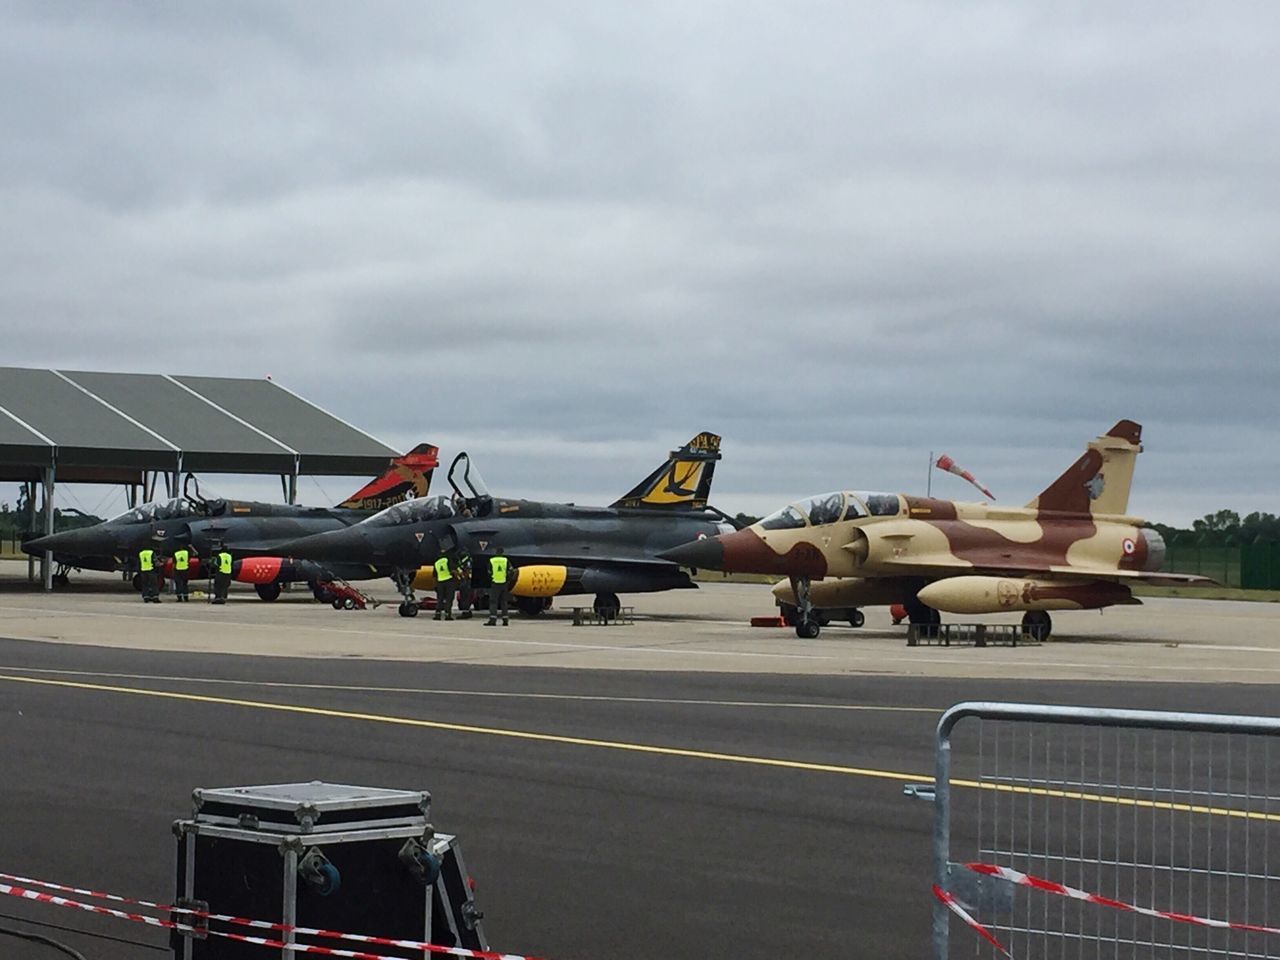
252	531
558	548
1071	548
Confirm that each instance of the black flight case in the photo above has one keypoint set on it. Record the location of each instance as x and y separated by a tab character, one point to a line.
361	860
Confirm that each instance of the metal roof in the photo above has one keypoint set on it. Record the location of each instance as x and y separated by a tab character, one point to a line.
91	422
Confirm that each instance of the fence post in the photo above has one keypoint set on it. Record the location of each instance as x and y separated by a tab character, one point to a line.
942	837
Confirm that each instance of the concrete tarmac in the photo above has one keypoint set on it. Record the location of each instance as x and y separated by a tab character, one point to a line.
698	630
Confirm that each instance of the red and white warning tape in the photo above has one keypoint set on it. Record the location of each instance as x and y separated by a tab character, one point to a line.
1061	890
14	889
954	906
1021	879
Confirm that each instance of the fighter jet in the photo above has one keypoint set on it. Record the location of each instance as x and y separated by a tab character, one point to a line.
249	529
1071	548
558	548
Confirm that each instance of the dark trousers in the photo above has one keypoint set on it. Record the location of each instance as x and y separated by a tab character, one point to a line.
464	594
444	599
150	584
180	583
221	584
499	594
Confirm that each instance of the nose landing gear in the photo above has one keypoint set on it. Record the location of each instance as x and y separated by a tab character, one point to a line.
404	583
807	626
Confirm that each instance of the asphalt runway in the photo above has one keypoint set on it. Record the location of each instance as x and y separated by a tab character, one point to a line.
687	786
584	843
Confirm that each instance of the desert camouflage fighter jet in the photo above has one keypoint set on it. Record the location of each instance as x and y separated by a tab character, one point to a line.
252	531
1071	548
557	548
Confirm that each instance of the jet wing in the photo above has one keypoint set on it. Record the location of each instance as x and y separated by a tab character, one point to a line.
1142	576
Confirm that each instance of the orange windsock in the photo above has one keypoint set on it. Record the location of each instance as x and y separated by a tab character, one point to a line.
949	465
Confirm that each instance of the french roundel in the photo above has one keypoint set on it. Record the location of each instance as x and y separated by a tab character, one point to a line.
1129	547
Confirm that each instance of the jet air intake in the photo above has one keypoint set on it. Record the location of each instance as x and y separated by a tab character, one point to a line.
1000	594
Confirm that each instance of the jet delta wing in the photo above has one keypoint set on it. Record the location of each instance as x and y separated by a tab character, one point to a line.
557	548
247	528
1072	547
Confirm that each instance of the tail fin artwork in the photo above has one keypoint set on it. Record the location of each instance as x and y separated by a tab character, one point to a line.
409	475
1098	483
682	483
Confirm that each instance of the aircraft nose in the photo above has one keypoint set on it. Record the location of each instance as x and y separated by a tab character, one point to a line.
706	553
59	542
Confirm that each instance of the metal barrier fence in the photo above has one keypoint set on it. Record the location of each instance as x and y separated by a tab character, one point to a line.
1078	832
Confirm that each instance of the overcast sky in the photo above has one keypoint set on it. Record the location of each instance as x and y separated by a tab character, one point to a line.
569	236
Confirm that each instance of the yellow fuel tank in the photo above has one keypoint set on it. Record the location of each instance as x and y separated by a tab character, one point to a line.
540	580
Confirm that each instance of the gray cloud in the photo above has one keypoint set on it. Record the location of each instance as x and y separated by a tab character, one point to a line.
568	238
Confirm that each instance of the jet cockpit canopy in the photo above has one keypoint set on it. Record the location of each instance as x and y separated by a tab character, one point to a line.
469	488
176	508
831	508
417	510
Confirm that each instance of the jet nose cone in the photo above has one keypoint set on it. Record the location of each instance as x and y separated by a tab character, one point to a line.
706	553
55	541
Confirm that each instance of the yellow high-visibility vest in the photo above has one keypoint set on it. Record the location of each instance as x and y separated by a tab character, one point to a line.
498	569
224	563
442	570
181	560
146	560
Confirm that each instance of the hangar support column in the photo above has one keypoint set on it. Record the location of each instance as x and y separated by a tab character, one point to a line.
46	562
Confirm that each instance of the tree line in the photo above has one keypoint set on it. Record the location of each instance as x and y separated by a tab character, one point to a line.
1225	528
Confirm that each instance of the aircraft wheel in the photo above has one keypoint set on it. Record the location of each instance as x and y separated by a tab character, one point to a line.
336	603
925	616
1037	624
137	582
856	618
808	629
407	609
267	591
532	606
607	606
789	613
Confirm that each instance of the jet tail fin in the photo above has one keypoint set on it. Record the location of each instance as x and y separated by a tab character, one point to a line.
1099	482
409	475
682	483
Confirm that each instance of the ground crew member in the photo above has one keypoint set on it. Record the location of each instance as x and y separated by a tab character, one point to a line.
464	587
147	571
444	588
502	573
181	571
221	573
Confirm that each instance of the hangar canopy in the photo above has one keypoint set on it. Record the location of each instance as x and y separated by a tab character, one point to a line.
110	427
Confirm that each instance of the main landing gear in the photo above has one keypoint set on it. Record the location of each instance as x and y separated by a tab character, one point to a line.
404	583
1037	624
807	626
267	591
927	618
532	606
607	606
